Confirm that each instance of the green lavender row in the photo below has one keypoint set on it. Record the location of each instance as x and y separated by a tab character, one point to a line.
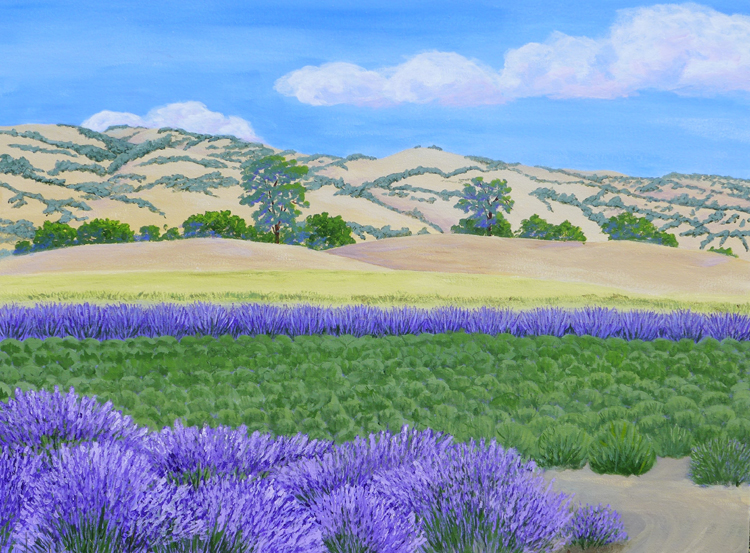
674	395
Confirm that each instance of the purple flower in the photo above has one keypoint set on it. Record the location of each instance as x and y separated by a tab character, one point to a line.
18	474
247	516
43	420
594	526
483	495
356	462
188	454
354	519
102	493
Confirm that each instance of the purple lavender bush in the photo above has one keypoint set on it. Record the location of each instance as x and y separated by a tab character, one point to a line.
482	497
17	476
43	421
594	526
245	516
101	497
191	455
355	463
354	519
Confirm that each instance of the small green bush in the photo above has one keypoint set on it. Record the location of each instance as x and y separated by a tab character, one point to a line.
104	231
563	446
674	441
720	461
621	449
516	436
536	227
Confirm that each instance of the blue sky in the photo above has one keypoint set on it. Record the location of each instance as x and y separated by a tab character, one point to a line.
636	87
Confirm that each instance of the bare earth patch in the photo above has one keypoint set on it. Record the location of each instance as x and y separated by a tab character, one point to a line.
636	267
663	510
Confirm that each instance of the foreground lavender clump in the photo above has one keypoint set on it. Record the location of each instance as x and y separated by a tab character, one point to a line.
101	497
191	455
356	462
594	526
43	420
243	516
79	486
355	519
484	497
17	475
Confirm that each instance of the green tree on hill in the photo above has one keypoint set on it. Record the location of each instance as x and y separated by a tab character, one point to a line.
54	235
150	233
627	226
536	227
272	183
501	227
327	232
484	201
104	231
215	223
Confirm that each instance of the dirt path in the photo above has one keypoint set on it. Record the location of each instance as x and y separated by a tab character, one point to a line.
663	511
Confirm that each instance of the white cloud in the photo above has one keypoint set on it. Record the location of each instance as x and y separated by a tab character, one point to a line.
443	77
190	116
682	48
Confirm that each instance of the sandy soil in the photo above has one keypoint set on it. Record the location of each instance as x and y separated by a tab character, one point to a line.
663	511
199	254
636	267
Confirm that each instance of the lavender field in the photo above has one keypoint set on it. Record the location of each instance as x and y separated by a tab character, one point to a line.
289	446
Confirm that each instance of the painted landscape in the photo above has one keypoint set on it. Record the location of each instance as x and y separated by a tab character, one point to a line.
341	389
321	276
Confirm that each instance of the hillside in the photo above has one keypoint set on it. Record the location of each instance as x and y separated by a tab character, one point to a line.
197	254
634	267
162	176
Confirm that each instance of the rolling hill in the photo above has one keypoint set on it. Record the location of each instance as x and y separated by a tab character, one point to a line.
161	176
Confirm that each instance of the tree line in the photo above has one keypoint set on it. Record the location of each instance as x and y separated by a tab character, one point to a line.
273	184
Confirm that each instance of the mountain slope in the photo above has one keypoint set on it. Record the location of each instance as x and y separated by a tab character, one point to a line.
162	176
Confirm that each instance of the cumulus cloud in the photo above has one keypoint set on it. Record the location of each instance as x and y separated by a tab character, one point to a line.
189	116
681	48
444	77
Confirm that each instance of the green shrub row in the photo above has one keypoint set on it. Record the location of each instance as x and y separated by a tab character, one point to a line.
563	401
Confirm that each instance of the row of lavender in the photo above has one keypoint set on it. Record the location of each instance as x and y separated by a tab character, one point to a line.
122	321
78	476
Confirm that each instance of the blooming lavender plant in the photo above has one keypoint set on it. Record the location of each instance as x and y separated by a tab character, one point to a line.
101	497
43	421
484	497
191	455
353	519
245	516
122	321
356	462
594	526
17	477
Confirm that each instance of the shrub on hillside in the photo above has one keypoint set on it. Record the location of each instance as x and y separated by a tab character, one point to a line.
150	233
627	226
536	227
327	232
104	231
501	227
215	224
54	235
22	247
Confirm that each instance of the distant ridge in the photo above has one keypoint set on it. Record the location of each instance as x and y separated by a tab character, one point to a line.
162	176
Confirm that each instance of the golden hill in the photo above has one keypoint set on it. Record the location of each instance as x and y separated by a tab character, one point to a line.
162	176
